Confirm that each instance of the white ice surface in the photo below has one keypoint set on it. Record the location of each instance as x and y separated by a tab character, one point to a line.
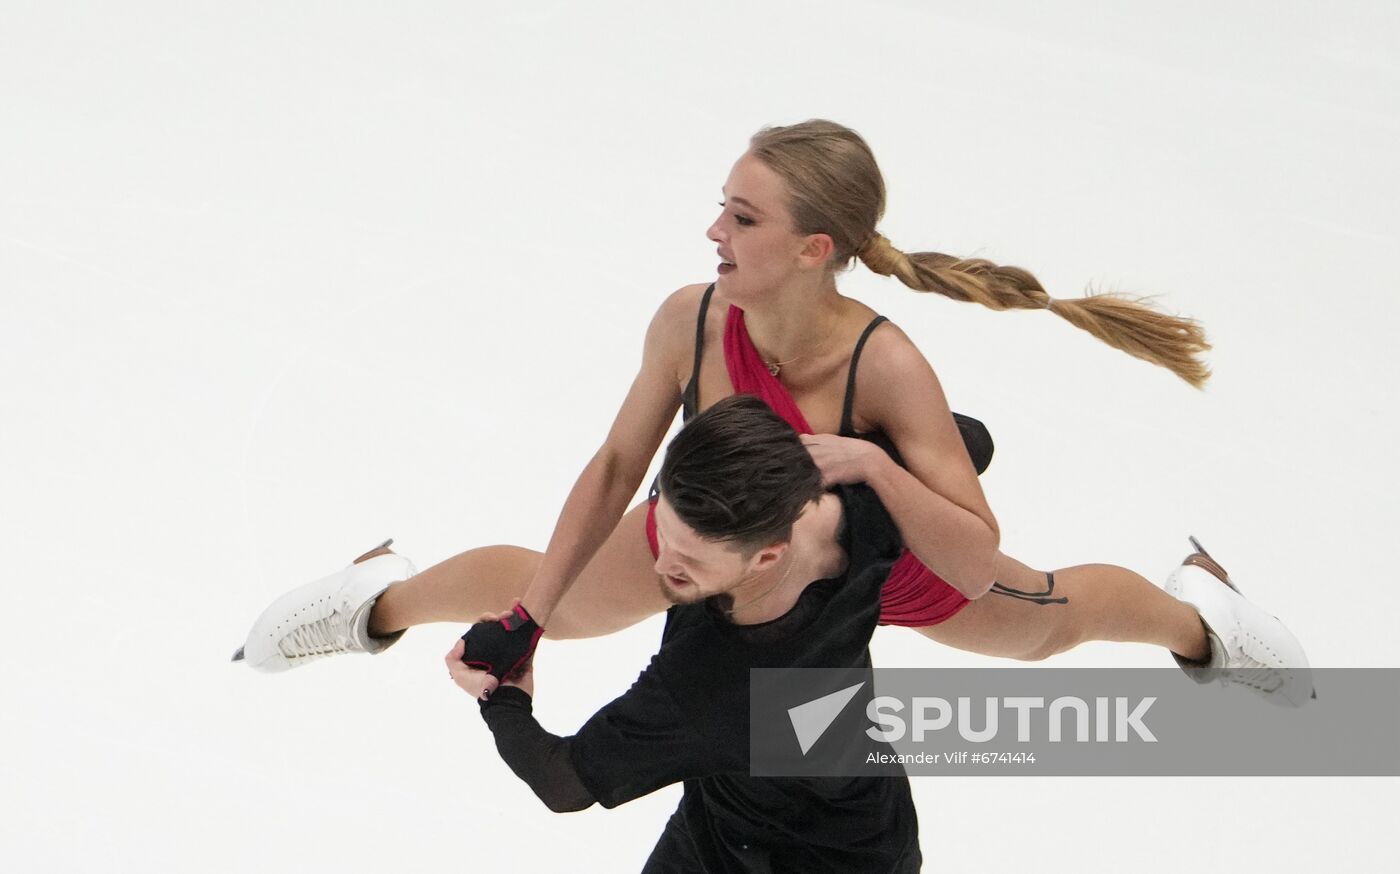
278	280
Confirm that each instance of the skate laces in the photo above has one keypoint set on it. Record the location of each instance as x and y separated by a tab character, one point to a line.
320	637
1267	680
1243	668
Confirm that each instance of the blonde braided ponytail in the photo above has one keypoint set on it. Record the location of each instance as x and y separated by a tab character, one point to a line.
835	188
1119	321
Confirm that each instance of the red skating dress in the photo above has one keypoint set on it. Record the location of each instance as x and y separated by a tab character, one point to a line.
913	595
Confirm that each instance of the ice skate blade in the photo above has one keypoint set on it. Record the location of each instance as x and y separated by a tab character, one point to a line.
381	549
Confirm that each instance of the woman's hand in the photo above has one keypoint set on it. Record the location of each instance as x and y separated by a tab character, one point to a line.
842	460
477	683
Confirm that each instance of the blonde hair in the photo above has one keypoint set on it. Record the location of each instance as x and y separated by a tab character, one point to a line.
835	188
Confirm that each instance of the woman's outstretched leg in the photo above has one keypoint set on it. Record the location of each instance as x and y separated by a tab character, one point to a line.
1214	632
368	605
1032	615
616	589
487	579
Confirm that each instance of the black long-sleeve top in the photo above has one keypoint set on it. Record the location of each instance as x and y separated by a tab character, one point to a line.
686	719
539	758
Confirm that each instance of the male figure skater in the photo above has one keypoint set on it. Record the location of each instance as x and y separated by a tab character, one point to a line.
766	570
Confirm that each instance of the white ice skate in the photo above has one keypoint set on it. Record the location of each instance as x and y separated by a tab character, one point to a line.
1248	647
327	617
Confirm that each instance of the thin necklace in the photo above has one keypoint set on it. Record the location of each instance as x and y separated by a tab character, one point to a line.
775	366
772	588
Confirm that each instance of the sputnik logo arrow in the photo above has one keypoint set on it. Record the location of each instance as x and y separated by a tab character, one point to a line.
811	720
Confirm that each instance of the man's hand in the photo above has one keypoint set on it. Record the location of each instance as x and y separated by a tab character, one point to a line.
477	684
480	684
497	647
501	645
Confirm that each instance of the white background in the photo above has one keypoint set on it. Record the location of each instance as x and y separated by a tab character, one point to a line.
282	279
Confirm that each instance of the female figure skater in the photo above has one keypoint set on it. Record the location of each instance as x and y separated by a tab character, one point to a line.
800	204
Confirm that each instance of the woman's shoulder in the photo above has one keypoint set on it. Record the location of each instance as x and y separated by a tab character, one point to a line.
890	371
680	307
687	297
672	330
888	351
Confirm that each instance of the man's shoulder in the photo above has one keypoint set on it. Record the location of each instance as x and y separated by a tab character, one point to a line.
867	528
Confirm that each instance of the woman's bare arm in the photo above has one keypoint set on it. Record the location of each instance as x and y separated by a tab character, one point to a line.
937	502
606	486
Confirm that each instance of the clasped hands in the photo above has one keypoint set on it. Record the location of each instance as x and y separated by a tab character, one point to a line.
498	650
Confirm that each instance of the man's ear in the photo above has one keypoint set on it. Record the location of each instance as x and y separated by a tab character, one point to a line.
767	557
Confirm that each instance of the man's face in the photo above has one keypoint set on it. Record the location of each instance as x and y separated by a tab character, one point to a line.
693	568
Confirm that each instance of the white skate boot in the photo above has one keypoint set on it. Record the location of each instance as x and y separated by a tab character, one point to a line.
1248	647
327	617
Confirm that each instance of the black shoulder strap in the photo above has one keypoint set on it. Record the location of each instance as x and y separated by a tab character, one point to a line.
691	396
847	426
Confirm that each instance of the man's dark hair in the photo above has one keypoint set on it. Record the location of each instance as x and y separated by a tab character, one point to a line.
737	473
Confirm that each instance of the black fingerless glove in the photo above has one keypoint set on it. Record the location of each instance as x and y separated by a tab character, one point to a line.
502	648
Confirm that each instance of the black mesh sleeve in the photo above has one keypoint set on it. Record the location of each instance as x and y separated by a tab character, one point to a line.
539	758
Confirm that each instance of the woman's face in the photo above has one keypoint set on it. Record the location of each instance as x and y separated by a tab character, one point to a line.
754	232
